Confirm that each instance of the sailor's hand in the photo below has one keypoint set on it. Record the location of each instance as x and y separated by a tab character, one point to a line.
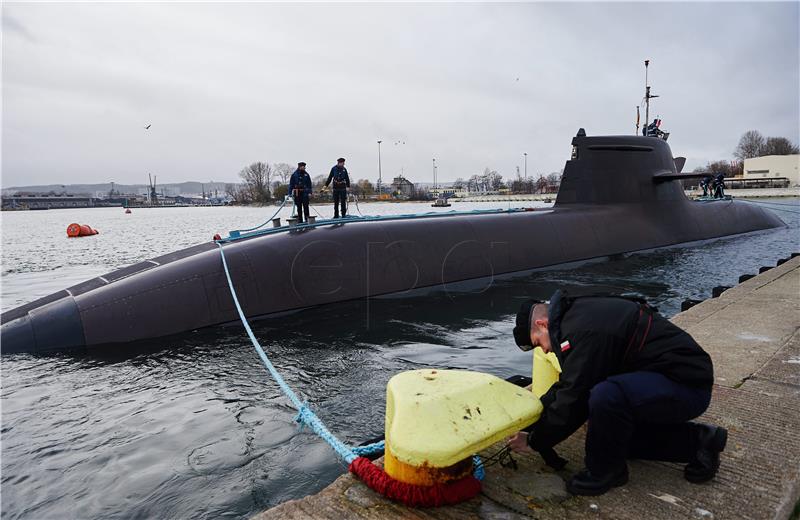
519	443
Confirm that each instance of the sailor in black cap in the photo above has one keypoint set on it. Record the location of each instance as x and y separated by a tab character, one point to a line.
300	189
705	184
719	186
638	379
341	181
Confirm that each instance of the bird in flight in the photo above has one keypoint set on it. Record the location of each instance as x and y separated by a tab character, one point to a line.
148	126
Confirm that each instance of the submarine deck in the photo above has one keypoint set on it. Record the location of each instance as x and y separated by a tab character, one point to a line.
752	332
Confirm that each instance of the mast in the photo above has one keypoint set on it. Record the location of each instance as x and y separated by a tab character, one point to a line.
647	96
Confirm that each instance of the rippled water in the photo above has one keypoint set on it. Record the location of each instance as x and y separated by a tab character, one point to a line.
192	426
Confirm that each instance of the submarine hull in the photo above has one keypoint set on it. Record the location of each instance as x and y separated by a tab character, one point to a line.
611	202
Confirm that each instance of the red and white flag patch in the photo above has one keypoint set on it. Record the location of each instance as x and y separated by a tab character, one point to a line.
565	346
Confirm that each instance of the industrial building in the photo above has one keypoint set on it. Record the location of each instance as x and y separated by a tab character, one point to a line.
774	167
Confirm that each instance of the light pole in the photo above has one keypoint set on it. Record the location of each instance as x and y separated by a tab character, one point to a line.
435	188
380	177
526	165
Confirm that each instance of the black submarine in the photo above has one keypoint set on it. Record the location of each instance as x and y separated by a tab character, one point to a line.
619	194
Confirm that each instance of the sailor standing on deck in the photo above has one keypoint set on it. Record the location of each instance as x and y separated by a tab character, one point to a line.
719	186
300	188
341	181
705	184
636	377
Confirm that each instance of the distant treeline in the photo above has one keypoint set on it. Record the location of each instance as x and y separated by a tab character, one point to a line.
263	182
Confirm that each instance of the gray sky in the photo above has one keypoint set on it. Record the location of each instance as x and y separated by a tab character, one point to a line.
225	85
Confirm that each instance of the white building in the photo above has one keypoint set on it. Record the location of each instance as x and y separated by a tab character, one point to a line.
771	166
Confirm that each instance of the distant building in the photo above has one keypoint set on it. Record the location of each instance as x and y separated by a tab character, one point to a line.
772	167
403	187
46	202
443	191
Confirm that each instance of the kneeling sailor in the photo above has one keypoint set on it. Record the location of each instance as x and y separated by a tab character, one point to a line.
638	379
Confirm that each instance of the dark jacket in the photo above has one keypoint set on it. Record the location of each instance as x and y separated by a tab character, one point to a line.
301	181
597	337
340	178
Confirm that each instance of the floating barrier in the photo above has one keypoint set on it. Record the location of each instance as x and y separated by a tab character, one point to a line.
718	290
689	303
78	230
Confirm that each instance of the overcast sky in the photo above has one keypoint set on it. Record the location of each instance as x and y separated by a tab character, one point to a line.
472	85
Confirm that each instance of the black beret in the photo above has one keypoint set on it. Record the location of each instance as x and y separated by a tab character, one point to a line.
522	331
340	159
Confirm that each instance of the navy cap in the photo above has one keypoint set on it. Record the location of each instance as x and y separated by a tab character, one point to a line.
522	330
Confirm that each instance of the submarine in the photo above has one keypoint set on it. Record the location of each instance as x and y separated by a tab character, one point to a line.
619	194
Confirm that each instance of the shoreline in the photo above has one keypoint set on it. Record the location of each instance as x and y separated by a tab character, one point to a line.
760	193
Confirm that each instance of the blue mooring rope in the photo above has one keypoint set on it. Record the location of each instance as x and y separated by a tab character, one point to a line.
305	416
239	234
239	231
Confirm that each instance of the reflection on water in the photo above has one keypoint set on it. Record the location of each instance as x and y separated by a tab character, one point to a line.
192	425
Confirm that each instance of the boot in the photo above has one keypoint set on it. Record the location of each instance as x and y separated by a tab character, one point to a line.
584	483
703	466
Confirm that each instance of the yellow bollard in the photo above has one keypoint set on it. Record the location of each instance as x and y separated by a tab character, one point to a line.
546	371
437	419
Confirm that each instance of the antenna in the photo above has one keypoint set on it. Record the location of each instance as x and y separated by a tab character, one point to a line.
647	96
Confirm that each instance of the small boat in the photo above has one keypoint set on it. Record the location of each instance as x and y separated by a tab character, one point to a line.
441	202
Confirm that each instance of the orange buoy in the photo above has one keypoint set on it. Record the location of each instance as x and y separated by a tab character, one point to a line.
127	210
217	237
77	230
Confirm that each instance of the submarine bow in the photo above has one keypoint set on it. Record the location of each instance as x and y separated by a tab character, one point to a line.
618	194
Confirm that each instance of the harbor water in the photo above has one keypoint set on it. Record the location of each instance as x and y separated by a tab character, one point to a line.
192	425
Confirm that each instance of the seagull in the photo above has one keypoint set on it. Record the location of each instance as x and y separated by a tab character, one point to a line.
148	126
517	79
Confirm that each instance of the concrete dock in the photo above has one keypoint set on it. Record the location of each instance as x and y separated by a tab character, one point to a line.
752	332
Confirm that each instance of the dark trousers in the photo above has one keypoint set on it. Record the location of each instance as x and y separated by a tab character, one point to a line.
642	415
302	204
339	198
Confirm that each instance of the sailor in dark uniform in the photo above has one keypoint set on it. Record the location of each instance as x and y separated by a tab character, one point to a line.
300	189
705	183
719	186
341	181
636	377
